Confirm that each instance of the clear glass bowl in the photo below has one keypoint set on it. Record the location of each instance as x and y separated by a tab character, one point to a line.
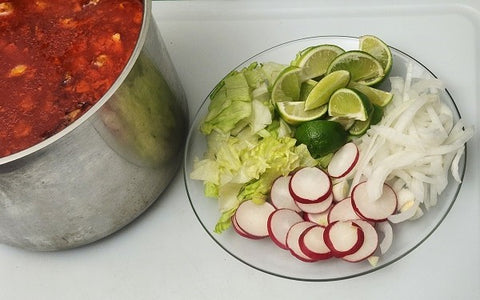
263	254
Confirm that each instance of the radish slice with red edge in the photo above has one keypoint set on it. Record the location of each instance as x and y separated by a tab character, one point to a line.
240	230
316	207
342	211
313	245
343	160
374	210
370	243
280	194
252	218
318	218
310	185
343	238
279	223
293	240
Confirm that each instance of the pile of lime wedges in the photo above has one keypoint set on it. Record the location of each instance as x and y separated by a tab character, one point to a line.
325	84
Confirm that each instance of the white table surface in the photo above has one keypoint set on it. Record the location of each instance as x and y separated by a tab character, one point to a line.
166	254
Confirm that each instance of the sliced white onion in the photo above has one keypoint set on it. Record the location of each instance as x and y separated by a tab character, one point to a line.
415	145
406	214
387	230
455	164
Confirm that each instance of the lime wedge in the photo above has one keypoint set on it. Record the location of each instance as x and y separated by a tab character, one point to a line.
377	115
376	96
363	67
306	87
287	85
315	60
320	94
360	127
348	103
378	49
293	112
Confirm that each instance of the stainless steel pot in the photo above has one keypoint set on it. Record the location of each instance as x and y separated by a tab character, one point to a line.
106	168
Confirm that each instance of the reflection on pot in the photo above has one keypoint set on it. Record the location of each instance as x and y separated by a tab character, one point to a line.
142	120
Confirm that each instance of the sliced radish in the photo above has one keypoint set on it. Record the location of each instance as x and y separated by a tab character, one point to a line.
343	161
310	185
316	207
240	231
343	237
342	211
293	240
370	243
313	245
280	194
279	223
318	218
373	210
252	218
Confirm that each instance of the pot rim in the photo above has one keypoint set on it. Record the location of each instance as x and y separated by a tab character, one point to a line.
142	36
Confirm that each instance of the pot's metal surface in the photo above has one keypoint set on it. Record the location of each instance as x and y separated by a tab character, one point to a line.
105	169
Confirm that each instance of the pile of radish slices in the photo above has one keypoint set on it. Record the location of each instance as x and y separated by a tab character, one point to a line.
311	217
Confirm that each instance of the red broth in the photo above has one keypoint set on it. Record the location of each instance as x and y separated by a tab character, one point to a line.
57	59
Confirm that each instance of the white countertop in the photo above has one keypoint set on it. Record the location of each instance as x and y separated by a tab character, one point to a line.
166	254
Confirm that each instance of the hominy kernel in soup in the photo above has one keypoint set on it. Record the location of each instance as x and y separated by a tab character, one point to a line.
57	59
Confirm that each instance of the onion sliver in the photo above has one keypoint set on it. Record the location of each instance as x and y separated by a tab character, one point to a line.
386	229
414	146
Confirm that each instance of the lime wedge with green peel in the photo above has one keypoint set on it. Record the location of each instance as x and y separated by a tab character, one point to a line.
348	103
315	60
322	91
287	85
300	55
378	49
363	67
376	96
360	127
377	114
321	136
293	112
306	88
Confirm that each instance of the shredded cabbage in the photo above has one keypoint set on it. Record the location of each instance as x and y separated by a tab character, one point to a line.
247	147
240	171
